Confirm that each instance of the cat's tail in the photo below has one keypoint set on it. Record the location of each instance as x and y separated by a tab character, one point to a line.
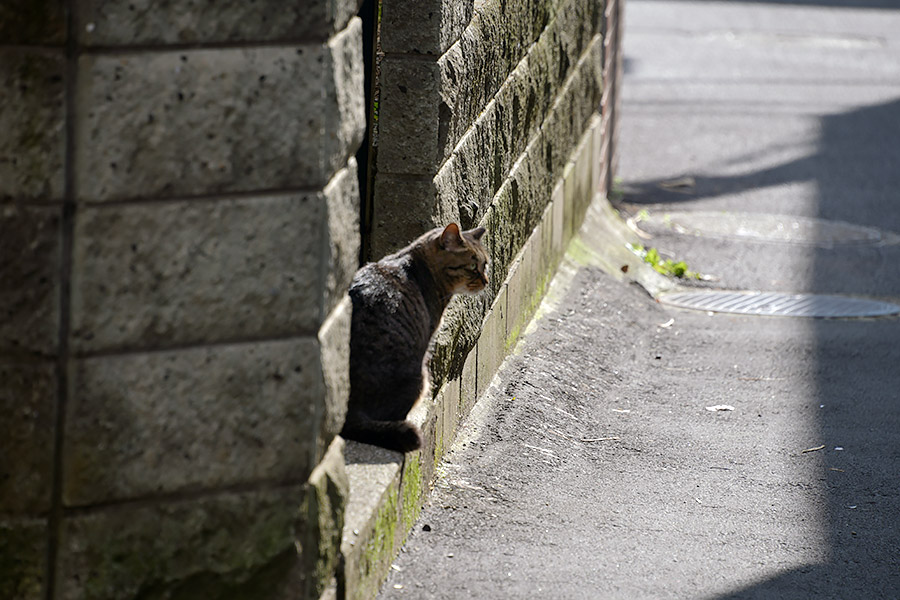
402	436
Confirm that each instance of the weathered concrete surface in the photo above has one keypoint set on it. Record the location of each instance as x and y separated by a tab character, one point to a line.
423	27
32	118
334	355
28	399
188	272
29	279
320	525
196	122
370	530
28	22
139	424
520	84
23	557
238	541
278	543
141	22
179	222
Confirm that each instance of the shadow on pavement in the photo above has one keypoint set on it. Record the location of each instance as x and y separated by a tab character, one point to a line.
856	172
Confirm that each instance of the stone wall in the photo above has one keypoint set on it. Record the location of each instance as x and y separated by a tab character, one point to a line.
481	110
179	221
178	226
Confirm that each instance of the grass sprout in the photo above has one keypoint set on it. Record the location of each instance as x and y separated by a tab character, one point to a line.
665	266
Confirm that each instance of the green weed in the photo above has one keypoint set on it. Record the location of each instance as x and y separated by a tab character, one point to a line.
665	266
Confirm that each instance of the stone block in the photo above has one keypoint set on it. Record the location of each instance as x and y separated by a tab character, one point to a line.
451	125
569	176
572	109
599	167
320	525
231	545
345	125
504	147
418	471
427	27
471	176
192	419
559	219
334	341
427	416
496	40
23	558
491	343
465	65
516	209
522	287
548	256
542	180
590	84
522	97
30	22
342	248
144	22
577	23
496	50
403	209
448	418
155	275
29	279
198	122
517	292
468	382
532	182
605	181
538	284
372	518
457	335
28	393
583	178
409	117
454	203
32	119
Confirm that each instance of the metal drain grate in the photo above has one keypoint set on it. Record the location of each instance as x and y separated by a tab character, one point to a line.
778	304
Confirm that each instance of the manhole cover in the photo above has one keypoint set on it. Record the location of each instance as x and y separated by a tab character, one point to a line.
765	227
778	304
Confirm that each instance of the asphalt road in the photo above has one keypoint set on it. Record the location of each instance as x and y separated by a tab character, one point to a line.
593	467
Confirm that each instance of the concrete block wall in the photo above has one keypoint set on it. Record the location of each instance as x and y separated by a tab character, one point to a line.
495	121
178	226
478	119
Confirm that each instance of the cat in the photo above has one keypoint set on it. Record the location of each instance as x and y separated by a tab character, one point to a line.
397	306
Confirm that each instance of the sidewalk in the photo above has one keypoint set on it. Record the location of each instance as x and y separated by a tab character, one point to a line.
630	449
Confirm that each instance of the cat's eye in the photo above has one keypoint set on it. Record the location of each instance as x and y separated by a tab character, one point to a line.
473	268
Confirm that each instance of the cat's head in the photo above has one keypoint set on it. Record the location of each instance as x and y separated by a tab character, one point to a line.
461	260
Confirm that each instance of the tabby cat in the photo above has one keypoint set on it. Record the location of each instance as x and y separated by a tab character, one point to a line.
397	306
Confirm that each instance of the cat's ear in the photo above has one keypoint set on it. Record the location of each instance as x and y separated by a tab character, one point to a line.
451	239
476	233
